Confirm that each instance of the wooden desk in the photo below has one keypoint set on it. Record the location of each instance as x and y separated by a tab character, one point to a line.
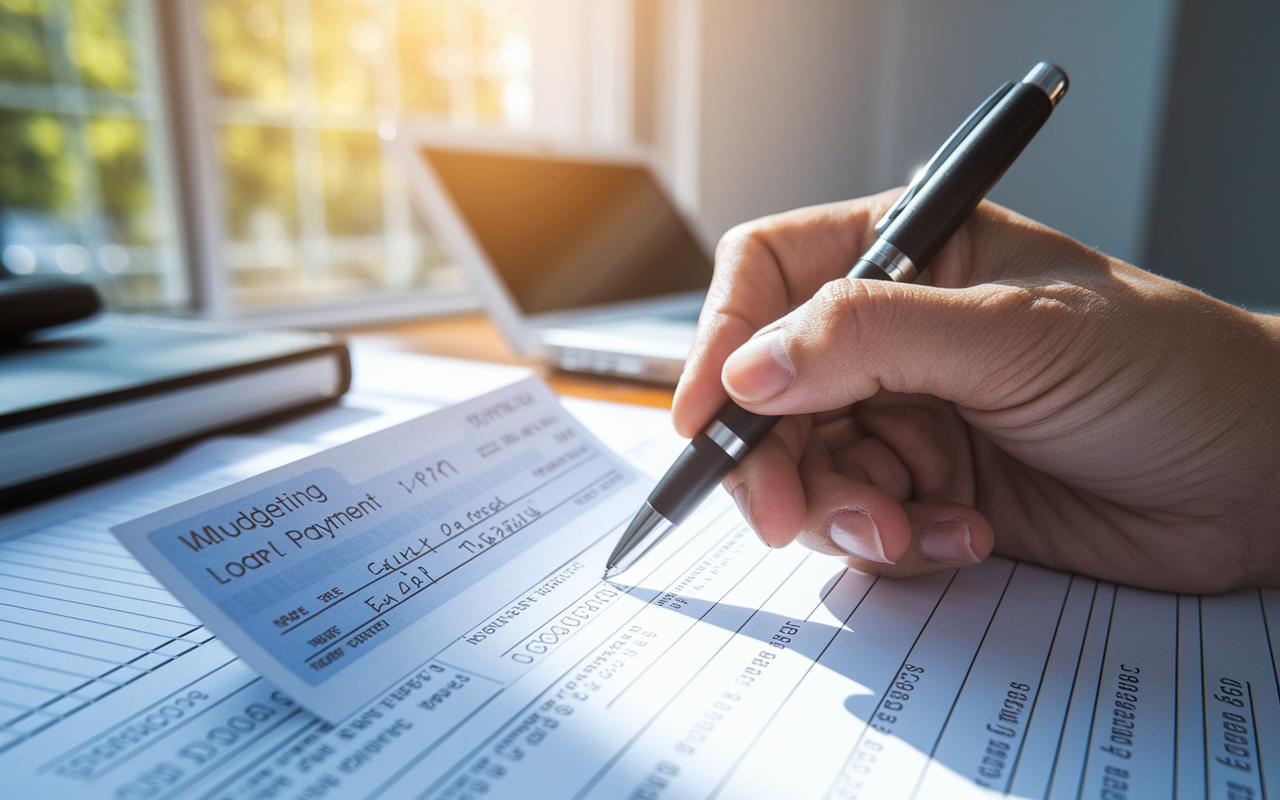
474	336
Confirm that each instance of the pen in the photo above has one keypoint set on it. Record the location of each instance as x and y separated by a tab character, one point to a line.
936	202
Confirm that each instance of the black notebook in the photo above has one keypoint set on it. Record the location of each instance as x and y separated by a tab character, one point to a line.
121	385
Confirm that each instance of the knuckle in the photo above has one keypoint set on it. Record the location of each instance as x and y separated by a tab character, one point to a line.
1049	301
742	237
830	337
835	304
1036	325
738	232
744	264
841	312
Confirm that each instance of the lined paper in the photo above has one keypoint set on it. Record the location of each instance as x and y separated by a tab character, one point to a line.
725	669
79	617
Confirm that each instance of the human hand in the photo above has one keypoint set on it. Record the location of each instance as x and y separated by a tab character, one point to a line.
1027	396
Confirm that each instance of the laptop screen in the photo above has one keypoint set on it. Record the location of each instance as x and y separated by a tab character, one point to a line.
568	234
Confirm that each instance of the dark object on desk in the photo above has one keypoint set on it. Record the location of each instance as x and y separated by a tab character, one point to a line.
122	385
29	304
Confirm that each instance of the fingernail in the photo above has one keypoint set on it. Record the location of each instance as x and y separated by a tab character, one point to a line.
760	369
742	496
855	532
948	541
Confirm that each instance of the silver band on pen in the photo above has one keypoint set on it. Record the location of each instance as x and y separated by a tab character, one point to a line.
892	260
728	441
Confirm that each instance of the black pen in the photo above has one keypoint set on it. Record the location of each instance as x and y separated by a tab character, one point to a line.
933	206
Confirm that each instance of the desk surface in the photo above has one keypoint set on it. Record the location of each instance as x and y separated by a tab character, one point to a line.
474	336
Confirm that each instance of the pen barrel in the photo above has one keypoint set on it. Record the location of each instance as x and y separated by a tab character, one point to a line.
866	270
959	185
694	475
748	427
707	460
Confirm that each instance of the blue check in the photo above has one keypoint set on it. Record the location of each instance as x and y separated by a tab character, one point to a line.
341	572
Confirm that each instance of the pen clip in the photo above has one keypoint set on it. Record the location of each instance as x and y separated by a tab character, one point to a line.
939	158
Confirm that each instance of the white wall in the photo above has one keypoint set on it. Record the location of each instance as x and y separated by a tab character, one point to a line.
786	89
807	101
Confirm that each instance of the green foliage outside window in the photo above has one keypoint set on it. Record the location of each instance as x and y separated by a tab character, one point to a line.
23	33
247	49
78	151
352	182
117	146
98	44
35	172
259	179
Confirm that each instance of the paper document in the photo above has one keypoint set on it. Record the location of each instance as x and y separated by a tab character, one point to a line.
342	571
720	669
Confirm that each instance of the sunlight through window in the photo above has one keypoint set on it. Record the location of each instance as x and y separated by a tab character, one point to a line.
303	92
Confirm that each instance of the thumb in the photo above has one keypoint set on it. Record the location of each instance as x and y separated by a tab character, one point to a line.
984	347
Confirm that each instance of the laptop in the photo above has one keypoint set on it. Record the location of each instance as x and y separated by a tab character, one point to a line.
582	258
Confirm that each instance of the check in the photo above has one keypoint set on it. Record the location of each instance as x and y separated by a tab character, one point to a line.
340	573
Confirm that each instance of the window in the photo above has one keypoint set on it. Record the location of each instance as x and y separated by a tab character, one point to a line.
302	91
85	185
228	155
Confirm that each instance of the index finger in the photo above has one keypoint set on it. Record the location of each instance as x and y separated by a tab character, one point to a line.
763	270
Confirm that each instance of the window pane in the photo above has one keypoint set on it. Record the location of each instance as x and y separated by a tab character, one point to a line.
349	45
85	188
352	183
260	185
427	64
117	147
35	169
23	36
467	60
98	44
247	49
261	191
